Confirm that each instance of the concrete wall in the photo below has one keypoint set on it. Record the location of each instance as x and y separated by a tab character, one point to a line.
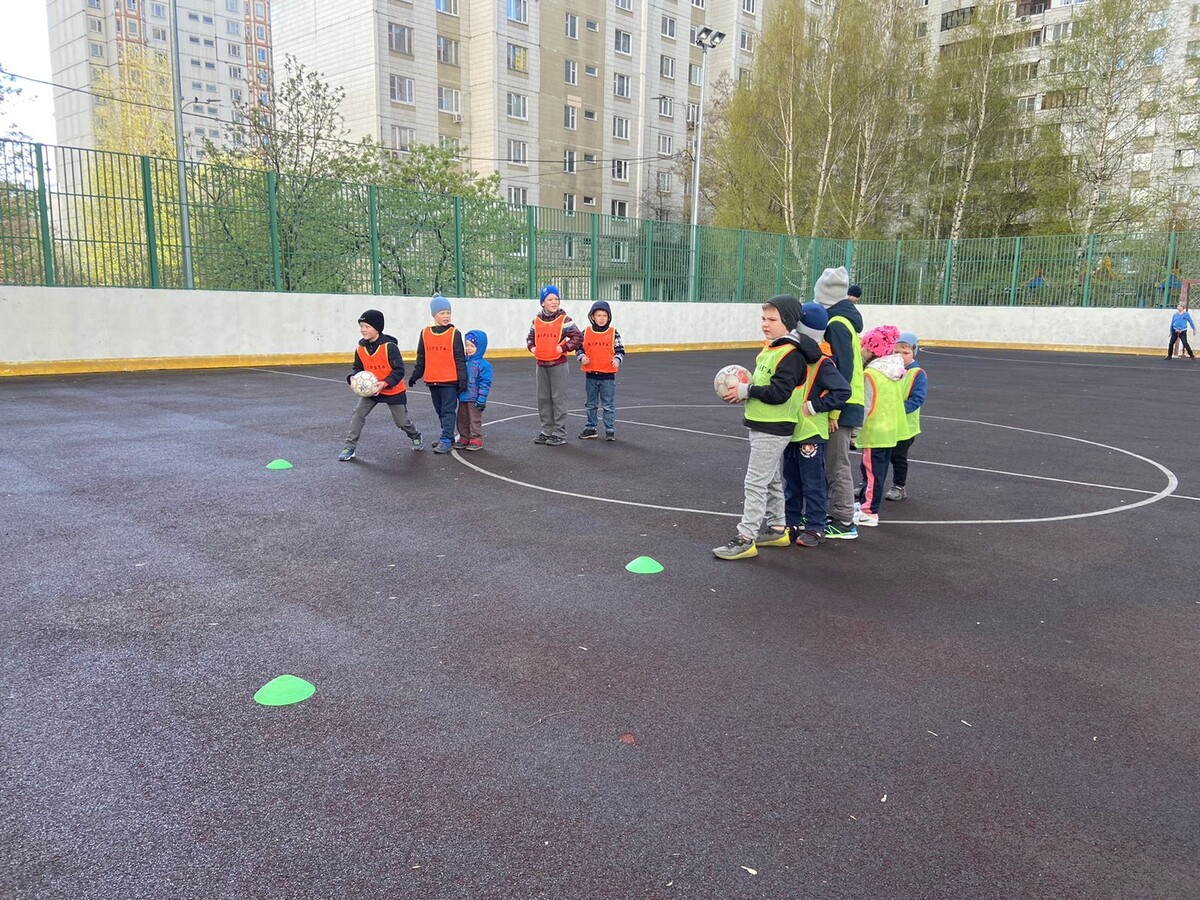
58	330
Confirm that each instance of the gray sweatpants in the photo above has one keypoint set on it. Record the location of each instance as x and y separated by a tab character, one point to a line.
399	413
839	479
552	399
764	484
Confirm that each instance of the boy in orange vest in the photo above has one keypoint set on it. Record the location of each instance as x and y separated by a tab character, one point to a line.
600	356
551	337
379	354
442	362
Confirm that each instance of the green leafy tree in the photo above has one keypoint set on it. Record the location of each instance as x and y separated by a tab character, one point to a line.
20	224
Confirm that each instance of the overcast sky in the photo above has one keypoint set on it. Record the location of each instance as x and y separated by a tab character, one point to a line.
25	50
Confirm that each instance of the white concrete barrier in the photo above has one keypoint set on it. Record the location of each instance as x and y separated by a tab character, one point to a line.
60	330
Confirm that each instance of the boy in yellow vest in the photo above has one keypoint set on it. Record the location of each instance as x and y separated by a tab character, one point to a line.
824	390
600	356
442	362
771	418
884	411
913	388
551	337
379	354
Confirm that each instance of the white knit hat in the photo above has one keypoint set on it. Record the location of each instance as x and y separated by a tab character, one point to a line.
831	286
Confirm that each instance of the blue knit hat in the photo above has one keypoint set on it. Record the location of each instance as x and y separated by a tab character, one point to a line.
547	291
438	304
814	315
910	338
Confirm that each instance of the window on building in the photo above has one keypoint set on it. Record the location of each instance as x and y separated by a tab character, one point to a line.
571	72
1058	31
668	27
1188	122
518	106
95	26
518	58
623	42
589	158
235	72
666	66
260	32
449	100
569	120
919	30
131	5
746	40
620	170
400	38
518	10
699	4
94	4
622	85
626	5
260	9
572	26
569	202
695	74
1027	104
233	6
1156	56
453	144
449	7
693	112
666	145
1185	158
749	6
518	152
518	196
447	50
234	28
569	161
1142	162
403	138
590	71
666	107
262	54
589	115
592	25
158	10
619	208
157	33
1193	49
664	182
1156	20
402	89
233	49
589	201
957	18
96	50
620	128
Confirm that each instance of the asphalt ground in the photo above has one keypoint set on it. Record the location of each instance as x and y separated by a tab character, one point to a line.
993	694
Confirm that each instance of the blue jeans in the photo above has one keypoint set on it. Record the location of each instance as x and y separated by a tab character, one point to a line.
804	484
601	392
445	405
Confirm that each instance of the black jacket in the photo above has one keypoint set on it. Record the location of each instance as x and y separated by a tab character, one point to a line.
789	375
395	360
841	342
460	358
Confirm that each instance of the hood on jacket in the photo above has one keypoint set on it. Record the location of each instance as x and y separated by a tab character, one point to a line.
848	310
892	366
601	305
479	339
809	349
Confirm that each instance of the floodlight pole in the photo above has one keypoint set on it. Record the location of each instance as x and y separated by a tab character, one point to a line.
706	39
185	224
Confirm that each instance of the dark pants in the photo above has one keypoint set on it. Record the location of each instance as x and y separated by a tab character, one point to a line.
900	462
470	422
874	469
1182	337
445	405
804	485
399	413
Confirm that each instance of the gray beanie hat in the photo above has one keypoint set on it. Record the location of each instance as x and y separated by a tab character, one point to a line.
831	286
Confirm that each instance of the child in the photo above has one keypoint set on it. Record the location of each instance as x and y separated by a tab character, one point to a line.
824	390
600	355
884	409
832	291
1179	326
551	337
442	362
771	418
379	354
913	388
473	401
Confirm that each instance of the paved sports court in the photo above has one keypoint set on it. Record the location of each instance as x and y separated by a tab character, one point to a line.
994	694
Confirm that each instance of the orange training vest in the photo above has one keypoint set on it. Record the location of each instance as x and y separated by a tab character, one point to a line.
377	364
439	357
600	347
548	338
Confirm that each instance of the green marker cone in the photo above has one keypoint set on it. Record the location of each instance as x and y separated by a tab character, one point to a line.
279	464
284	689
644	565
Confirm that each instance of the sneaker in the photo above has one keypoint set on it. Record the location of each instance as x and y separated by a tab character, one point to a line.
895	493
771	538
810	539
442	447
555	441
738	548
459	444
610	435
418	443
542	438
588	434
346	455
841	531
866	518
476	444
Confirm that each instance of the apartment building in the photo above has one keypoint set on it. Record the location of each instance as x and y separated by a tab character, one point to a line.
580	105
225	53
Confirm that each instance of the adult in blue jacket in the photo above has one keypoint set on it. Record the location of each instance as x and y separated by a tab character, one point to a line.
1180	322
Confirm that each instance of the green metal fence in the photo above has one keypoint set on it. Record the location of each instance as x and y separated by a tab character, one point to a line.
72	217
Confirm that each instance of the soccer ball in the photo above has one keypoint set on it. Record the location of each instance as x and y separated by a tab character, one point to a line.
364	384
728	377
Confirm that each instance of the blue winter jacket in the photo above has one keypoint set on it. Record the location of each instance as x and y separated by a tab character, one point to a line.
479	370
916	397
1181	321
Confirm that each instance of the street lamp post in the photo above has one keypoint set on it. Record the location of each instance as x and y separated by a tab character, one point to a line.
706	39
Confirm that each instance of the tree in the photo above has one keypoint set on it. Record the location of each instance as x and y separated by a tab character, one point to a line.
21	260
137	118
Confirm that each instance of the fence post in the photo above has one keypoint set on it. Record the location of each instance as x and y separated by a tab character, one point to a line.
850	255
1016	272
148	211
373	225
1087	274
594	262
531	247
460	286
648	286
779	265
812	268
1166	298
44	219
946	276
741	268
896	274
273	212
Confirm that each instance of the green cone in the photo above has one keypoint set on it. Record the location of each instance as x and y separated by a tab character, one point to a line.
284	689
644	565
279	464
